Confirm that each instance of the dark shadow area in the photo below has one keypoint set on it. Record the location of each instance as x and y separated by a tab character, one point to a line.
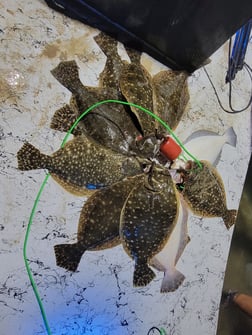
180	34
238	277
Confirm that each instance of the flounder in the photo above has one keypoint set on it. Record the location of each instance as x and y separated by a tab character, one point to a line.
207	145
170	96
168	257
81	163
115	126
64	118
136	87
148	218
109	124
98	224
205	194
109	77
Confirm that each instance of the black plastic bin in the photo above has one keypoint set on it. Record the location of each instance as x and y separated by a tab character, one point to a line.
181	34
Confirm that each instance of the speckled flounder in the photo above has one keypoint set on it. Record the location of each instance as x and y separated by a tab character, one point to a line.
147	220
170	96
81	162
114	126
109	124
109	77
98	224
136	86
204	192
64	117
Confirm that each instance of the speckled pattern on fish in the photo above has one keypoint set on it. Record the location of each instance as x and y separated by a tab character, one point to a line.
204	192
81	162
98	224
147	220
137	201
170	95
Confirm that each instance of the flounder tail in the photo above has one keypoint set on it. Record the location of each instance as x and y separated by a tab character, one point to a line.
230	217
67	73
231	136
143	275
68	256
171	281
30	158
107	44
63	119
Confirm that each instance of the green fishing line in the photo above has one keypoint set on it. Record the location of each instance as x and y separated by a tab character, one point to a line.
34	286
165	125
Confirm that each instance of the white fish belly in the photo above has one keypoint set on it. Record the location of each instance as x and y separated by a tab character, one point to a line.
206	147
168	256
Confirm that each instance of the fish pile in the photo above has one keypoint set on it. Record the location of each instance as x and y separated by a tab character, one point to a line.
115	160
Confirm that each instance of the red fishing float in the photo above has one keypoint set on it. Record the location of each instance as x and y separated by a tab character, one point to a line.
170	149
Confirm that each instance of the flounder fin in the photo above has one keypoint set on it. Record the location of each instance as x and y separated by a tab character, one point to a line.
206	62
184	237
67	73
200	133
68	256
171	281
230	217
143	275
71	188
157	265
30	158
183	244
217	159
231	136
106	43
63	119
